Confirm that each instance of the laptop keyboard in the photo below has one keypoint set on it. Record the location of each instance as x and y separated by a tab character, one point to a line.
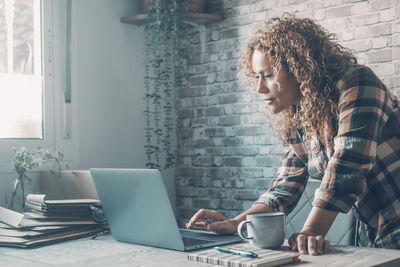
188	241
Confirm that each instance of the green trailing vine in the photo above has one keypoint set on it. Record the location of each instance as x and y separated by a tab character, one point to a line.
162	51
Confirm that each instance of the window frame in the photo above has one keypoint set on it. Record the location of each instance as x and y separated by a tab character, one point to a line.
48	95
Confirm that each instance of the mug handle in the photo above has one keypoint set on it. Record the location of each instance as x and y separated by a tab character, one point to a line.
240	230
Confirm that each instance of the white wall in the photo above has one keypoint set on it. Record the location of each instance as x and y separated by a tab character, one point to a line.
107	89
108	82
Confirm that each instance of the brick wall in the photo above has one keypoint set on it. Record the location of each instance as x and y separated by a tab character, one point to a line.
228	154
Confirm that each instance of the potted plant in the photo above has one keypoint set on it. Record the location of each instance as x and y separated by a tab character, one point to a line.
162	51
24	160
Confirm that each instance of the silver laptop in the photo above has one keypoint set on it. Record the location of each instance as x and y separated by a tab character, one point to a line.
136	205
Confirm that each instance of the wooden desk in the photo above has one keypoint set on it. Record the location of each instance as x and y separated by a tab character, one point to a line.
104	251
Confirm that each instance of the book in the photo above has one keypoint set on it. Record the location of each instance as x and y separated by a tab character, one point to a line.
50	221
28	239
266	257
38	202
21	220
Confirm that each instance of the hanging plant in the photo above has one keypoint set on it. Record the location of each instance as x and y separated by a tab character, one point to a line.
162	50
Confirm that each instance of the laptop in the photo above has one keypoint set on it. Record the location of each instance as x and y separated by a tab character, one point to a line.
136	205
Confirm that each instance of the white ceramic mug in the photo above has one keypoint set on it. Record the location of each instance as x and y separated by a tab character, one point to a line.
264	229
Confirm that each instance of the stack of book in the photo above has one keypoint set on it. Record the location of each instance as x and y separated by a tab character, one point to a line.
50	221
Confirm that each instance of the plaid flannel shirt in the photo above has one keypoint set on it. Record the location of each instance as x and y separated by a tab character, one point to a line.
359	168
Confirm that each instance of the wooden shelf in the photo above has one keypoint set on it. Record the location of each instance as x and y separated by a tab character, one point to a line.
199	18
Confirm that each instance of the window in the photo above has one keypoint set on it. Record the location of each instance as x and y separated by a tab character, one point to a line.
21	70
26	76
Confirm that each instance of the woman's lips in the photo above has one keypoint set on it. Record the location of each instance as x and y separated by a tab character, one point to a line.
268	101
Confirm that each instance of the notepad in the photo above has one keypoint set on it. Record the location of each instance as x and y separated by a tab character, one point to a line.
266	257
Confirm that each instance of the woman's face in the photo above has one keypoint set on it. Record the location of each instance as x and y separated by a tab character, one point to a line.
280	90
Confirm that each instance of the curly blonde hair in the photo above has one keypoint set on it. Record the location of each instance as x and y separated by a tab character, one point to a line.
308	52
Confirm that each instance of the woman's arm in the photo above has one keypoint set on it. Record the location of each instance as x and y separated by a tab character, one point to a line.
364	108
214	221
283	196
311	237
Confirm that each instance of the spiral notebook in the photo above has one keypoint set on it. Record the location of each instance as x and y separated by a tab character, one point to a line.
266	257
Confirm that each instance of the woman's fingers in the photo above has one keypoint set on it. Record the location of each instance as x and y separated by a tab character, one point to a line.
205	216
301	243
326	246
198	216
200	224
292	242
319	244
313	245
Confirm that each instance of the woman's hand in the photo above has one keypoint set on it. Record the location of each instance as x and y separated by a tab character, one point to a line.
308	242
213	221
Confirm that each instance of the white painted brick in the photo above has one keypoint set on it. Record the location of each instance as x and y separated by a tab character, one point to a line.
271	4
215	35
380	29
362	58
364	19
387	81
387	14
264	150
304	13
258	7
396	26
396	52
319	14
260	16
397	68
332	3
313	5
246	119
245	98
269	172
396	92
361	7
348	35
396	81
360	45
379	42
383	69
213	57
335	25
295	2
243	20
244	10
382	4
382	55
361	32
395	39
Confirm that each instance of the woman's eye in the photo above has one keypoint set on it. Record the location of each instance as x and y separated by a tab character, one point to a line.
267	76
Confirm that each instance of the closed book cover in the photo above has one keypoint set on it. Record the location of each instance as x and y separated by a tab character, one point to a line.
266	257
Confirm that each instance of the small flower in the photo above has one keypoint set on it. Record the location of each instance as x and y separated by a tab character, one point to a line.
24	159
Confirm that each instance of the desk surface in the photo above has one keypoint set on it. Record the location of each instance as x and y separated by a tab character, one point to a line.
104	251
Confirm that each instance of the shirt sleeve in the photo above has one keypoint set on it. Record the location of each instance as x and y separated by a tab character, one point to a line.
291	180
363	112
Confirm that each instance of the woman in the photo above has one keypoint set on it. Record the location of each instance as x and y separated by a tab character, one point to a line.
340	125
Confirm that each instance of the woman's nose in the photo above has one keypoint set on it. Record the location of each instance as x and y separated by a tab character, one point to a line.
262	87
